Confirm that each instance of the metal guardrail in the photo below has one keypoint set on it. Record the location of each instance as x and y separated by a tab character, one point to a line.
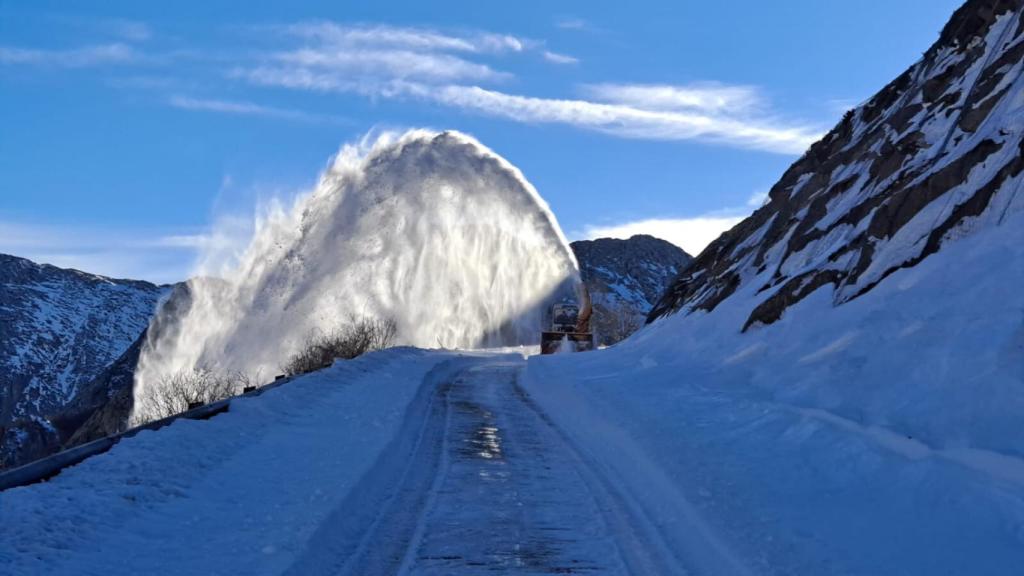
46	468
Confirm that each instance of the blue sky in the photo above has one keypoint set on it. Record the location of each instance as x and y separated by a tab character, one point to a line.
128	129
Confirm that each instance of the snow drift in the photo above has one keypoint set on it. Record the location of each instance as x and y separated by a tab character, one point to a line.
882	436
432	230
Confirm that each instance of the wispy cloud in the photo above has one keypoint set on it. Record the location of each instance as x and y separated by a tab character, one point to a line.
390	63
427	65
121	253
706	96
556	58
618	119
85	56
454	69
627	121
414	38
572	23
250	109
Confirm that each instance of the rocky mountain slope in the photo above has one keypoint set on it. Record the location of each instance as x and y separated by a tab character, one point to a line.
59	329
625	279
934	156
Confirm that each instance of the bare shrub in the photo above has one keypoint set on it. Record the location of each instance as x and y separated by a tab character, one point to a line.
625	322
613	324
177	392
357	337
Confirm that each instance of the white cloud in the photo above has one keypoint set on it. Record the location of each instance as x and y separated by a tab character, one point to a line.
400	64
249	109
556	58
416	38
690	234
448	69
357	55
625	120
707	96
615	119
74	58
424	64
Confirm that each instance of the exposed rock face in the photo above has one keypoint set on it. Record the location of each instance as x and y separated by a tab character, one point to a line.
625	278
58	330
934	155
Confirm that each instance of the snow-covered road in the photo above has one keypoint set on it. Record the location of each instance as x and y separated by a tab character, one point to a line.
408	463
489	486
485	482
432	462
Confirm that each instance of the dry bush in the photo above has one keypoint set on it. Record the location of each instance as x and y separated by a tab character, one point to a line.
176	392
626	322
357	337
613	324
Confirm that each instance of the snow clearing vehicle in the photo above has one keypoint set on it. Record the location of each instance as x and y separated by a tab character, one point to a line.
569	325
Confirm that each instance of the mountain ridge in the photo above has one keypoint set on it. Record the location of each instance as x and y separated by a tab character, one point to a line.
935	154
59	328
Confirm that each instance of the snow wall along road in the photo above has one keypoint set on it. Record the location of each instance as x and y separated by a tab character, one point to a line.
433	230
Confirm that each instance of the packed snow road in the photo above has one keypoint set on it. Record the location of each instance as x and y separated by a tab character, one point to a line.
410	462
483	482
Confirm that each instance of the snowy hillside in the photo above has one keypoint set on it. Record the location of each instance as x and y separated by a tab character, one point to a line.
935	156
836	385
882	436
625	279
58	330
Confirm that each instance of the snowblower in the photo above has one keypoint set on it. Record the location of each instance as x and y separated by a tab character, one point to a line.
569	328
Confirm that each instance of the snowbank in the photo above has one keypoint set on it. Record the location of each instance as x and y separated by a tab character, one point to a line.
879	436
241	493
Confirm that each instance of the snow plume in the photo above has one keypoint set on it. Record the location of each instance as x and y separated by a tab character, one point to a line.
432	230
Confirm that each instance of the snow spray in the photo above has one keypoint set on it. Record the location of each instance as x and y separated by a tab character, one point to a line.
432	230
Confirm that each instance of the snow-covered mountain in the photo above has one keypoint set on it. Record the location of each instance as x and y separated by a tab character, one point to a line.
625	279
934	156
59	329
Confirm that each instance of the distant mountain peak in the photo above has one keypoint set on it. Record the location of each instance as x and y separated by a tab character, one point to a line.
59	328
625	278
